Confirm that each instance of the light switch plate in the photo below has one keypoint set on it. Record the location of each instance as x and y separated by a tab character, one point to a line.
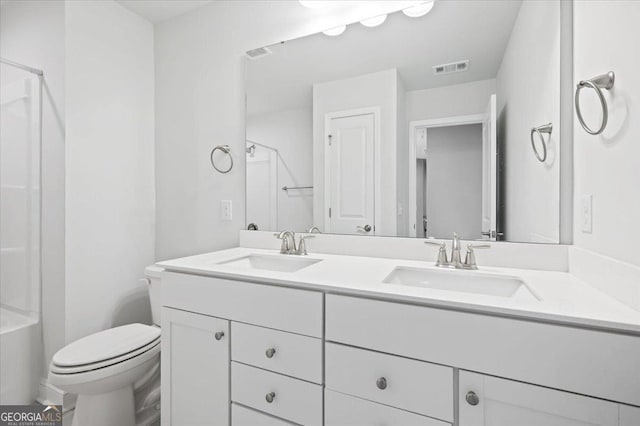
586	207
226	211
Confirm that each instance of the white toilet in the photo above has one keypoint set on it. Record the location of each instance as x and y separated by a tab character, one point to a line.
105	368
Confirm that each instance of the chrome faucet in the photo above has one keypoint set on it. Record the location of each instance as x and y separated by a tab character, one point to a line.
289	243
456	262
286	237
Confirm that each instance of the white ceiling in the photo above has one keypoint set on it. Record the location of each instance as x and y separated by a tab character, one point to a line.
160	10
454	30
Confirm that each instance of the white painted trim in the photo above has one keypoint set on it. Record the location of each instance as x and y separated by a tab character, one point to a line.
377	206
413	128
52	395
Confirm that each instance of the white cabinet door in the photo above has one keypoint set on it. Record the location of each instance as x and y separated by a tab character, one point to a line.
490	401
195	369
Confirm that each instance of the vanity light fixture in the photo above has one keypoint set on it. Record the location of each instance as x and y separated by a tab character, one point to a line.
314	4
336	31
419	9
375	21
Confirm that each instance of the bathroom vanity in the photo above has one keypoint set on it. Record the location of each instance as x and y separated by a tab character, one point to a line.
251	336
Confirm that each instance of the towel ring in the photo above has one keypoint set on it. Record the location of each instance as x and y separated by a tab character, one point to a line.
227	151
604	81
546	128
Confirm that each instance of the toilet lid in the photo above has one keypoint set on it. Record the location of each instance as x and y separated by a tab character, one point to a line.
107	344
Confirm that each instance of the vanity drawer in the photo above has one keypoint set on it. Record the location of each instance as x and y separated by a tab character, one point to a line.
341	409
297	311
416	386
589	362
279	351
294	400
243	416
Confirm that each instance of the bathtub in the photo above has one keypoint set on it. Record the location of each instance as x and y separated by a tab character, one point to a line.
20	350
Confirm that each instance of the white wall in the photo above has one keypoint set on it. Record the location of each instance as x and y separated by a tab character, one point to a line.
379	90
528	93
449	101
33	33
290	132
200	103
607	166
109	165
454	193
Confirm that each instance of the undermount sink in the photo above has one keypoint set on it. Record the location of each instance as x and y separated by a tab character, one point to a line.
279	263
460	281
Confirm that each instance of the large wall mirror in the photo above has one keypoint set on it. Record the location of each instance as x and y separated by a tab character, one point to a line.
418	127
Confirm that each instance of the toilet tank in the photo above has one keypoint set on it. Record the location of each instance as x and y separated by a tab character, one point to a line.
152	276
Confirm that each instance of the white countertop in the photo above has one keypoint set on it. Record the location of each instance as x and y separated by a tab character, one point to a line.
563	297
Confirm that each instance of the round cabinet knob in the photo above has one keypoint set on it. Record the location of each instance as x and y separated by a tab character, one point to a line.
381	383
219	335
270	397
472	398
270	352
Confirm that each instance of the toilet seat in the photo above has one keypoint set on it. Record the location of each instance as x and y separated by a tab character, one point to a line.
105	346
83	368
115	373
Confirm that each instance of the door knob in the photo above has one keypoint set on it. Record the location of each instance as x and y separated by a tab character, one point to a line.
366	228
472	398
219	335
381	383
270	397
270	352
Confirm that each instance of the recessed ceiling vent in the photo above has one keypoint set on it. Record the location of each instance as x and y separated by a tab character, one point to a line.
451	68
258	53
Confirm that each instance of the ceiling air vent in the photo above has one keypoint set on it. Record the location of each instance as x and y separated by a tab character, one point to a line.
452	67
258	53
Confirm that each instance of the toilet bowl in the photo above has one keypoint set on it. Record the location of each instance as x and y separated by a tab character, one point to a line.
105	368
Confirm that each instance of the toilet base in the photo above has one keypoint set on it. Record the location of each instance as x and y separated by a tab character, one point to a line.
106	409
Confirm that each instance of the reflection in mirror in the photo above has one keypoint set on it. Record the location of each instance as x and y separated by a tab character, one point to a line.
417	127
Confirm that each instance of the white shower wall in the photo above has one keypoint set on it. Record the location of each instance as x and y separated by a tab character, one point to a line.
32	32
290	132
20	191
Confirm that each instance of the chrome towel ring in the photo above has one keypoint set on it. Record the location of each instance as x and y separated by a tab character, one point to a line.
546	128
604	81
227	151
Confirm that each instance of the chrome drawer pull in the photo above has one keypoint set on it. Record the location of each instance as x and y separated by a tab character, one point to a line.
472	398
219	335
381	383
270	397
270	352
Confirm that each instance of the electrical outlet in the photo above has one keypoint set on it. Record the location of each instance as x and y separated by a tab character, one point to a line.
586	213
226	209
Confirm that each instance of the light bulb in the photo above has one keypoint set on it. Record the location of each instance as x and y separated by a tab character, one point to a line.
335	31
314	4
375	21
419	9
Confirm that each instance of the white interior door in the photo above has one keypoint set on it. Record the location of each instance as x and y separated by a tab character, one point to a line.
351	175
489	167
